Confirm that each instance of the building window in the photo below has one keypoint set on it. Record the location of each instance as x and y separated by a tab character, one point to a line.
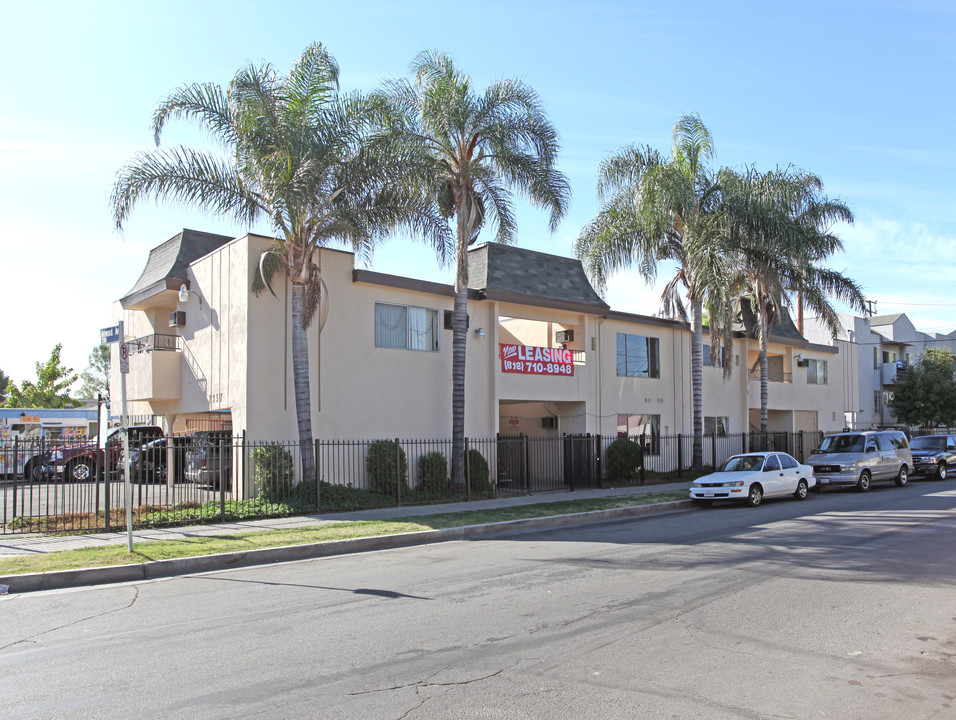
877	395
716	426
876	358
816	372
406	327
889	356
709	358
636	426
638	356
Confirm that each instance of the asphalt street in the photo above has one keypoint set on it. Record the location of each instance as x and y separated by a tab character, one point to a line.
842	606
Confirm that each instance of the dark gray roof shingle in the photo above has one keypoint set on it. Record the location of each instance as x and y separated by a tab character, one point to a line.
167	263
511	274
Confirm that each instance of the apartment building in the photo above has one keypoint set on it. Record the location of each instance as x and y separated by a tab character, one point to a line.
545	354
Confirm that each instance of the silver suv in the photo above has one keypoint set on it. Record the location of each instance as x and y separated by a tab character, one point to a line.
861	458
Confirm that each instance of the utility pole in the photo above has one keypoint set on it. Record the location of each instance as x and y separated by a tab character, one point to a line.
871	307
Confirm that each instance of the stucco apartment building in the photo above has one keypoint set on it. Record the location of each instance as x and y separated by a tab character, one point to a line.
546	355
874	350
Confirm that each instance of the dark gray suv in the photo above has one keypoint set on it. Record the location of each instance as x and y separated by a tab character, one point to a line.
933	455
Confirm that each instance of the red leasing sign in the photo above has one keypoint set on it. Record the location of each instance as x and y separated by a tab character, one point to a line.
535	360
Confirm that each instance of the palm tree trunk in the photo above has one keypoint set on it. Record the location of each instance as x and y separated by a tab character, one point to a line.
459	351
764	368
697	378
300	380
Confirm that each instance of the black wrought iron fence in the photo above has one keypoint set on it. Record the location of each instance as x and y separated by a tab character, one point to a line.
215	476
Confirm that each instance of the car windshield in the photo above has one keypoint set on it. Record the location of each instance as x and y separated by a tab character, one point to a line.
928	443
842	444
743	463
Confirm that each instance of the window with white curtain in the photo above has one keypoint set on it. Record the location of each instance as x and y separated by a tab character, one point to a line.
817	372
406	327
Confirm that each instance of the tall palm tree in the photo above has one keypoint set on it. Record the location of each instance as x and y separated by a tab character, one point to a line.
657	210
297	153
472	150
781	226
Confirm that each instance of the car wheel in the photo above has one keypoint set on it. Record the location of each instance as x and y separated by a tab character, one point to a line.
901	477
801	491
863	484
80	470
33	470
755	495
941	471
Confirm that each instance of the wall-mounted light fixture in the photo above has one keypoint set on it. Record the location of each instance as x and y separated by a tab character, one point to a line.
799	358
479	332
183	294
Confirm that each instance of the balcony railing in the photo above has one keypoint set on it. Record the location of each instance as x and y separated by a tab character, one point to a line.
148	343
774	376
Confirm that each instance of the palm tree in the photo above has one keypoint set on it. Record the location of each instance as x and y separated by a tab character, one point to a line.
471	151
656	210
780	223
298	153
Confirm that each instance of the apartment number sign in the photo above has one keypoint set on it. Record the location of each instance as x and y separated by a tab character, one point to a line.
530	360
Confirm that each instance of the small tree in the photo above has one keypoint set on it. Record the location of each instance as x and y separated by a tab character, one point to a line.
51	390
925	394
96	378
433	470
4	382
381	467
624	459
273	471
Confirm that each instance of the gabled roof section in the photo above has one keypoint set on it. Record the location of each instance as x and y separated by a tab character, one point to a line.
166	267
782	329
885	319
511	274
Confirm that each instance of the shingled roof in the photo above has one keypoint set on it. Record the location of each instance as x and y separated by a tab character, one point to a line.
511	274
166	267
782	329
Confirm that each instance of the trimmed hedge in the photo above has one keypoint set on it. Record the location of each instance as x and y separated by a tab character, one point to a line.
624	460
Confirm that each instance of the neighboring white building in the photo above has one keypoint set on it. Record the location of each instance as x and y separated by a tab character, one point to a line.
874	350
545	354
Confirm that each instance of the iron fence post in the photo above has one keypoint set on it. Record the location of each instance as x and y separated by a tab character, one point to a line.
526	470
643	457
16	480
467	471
570	441
398	474
318	485
680	455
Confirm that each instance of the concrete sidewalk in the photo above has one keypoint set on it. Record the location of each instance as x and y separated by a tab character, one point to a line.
29	545
11	545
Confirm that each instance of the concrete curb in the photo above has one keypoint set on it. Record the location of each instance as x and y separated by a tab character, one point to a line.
61	579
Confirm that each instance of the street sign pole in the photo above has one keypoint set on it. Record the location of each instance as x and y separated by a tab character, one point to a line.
124	423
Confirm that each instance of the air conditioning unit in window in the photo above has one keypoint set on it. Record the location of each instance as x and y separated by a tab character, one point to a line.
177	318
564	336
549	423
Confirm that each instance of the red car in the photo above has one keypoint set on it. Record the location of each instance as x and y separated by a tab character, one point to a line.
81	463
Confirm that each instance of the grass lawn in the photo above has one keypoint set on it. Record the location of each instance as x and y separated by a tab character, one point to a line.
213	544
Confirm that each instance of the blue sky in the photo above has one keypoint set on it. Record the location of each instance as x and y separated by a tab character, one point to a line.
860	93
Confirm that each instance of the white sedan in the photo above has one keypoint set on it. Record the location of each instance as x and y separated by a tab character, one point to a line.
754	476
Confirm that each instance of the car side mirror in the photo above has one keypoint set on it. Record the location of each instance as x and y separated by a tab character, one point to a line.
871	449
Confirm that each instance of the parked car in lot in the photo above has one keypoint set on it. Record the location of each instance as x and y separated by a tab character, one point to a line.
862	458
149	463
753	476
83	462
209	459
933	455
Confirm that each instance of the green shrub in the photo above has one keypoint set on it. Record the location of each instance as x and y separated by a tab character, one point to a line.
477	472
380	465
624	460
273	471
433	470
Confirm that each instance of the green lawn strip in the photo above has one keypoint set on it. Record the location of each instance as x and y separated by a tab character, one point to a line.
213	544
